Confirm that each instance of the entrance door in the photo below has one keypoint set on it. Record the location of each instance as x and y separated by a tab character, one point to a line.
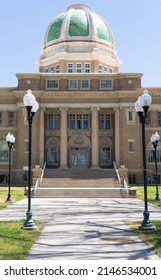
79	158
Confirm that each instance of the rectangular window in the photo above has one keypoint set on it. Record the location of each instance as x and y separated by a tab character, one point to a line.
100	68
53	121
70	68
72	121
85	121
148	119
85	84
158	118
105	69
0	119
46	70
52	84
73	84
130	116
106	84
111	70
87	68
11	119
52	69
79	68
131	149
79	121
57	70
104	121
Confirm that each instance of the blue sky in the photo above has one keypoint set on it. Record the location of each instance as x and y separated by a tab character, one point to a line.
136	25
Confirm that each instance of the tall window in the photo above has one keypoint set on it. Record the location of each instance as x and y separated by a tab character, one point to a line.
105	155
148	119
104	121
79	121
73	84
87	68
158	118
79	68
53	121
70	68
0	119
131	147
3	152
57	69
106	84
11	119
85	84
100	68
52	84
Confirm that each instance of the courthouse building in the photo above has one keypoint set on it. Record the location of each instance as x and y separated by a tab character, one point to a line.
86	117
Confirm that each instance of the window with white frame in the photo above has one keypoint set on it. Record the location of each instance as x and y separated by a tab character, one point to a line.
85	84
79	68
52	84
11	119
70	68
57	69
99	68
53	121
131	145
52	69
110	69
79	121
46	70
73	84
104	121
4	156
106	84
105	69
150	153
87	68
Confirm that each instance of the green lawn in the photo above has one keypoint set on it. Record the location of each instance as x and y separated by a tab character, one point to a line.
17	193
151	238
15	241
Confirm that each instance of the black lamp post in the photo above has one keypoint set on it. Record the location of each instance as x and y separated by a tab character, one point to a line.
10	140
32	107
154	140
141	107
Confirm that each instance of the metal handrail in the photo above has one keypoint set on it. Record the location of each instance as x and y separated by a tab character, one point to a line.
117	172
42	174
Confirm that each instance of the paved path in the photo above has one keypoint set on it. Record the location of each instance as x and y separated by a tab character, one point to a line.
85	229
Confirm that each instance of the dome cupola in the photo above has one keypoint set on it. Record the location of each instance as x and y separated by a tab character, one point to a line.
78	34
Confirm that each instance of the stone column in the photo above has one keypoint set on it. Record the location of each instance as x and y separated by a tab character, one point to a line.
41	137
117	137
95	139
63	139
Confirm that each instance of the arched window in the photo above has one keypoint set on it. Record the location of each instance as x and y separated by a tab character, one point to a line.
3	152
151	155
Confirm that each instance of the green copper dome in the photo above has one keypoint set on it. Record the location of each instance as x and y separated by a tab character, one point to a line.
78	23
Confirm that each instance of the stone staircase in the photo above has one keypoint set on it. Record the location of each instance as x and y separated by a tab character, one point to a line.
88	183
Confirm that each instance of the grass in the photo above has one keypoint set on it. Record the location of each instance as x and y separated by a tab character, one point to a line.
17	193
151	238
151	190
16	242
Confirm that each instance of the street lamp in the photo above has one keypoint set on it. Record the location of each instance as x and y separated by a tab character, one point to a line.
141	106
154	140
10	140
32	106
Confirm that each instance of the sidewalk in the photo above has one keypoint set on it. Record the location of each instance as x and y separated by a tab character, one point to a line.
85	229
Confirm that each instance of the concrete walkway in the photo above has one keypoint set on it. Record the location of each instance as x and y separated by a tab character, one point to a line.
85	229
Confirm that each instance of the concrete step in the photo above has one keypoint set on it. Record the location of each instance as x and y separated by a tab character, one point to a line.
89	173
78	192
